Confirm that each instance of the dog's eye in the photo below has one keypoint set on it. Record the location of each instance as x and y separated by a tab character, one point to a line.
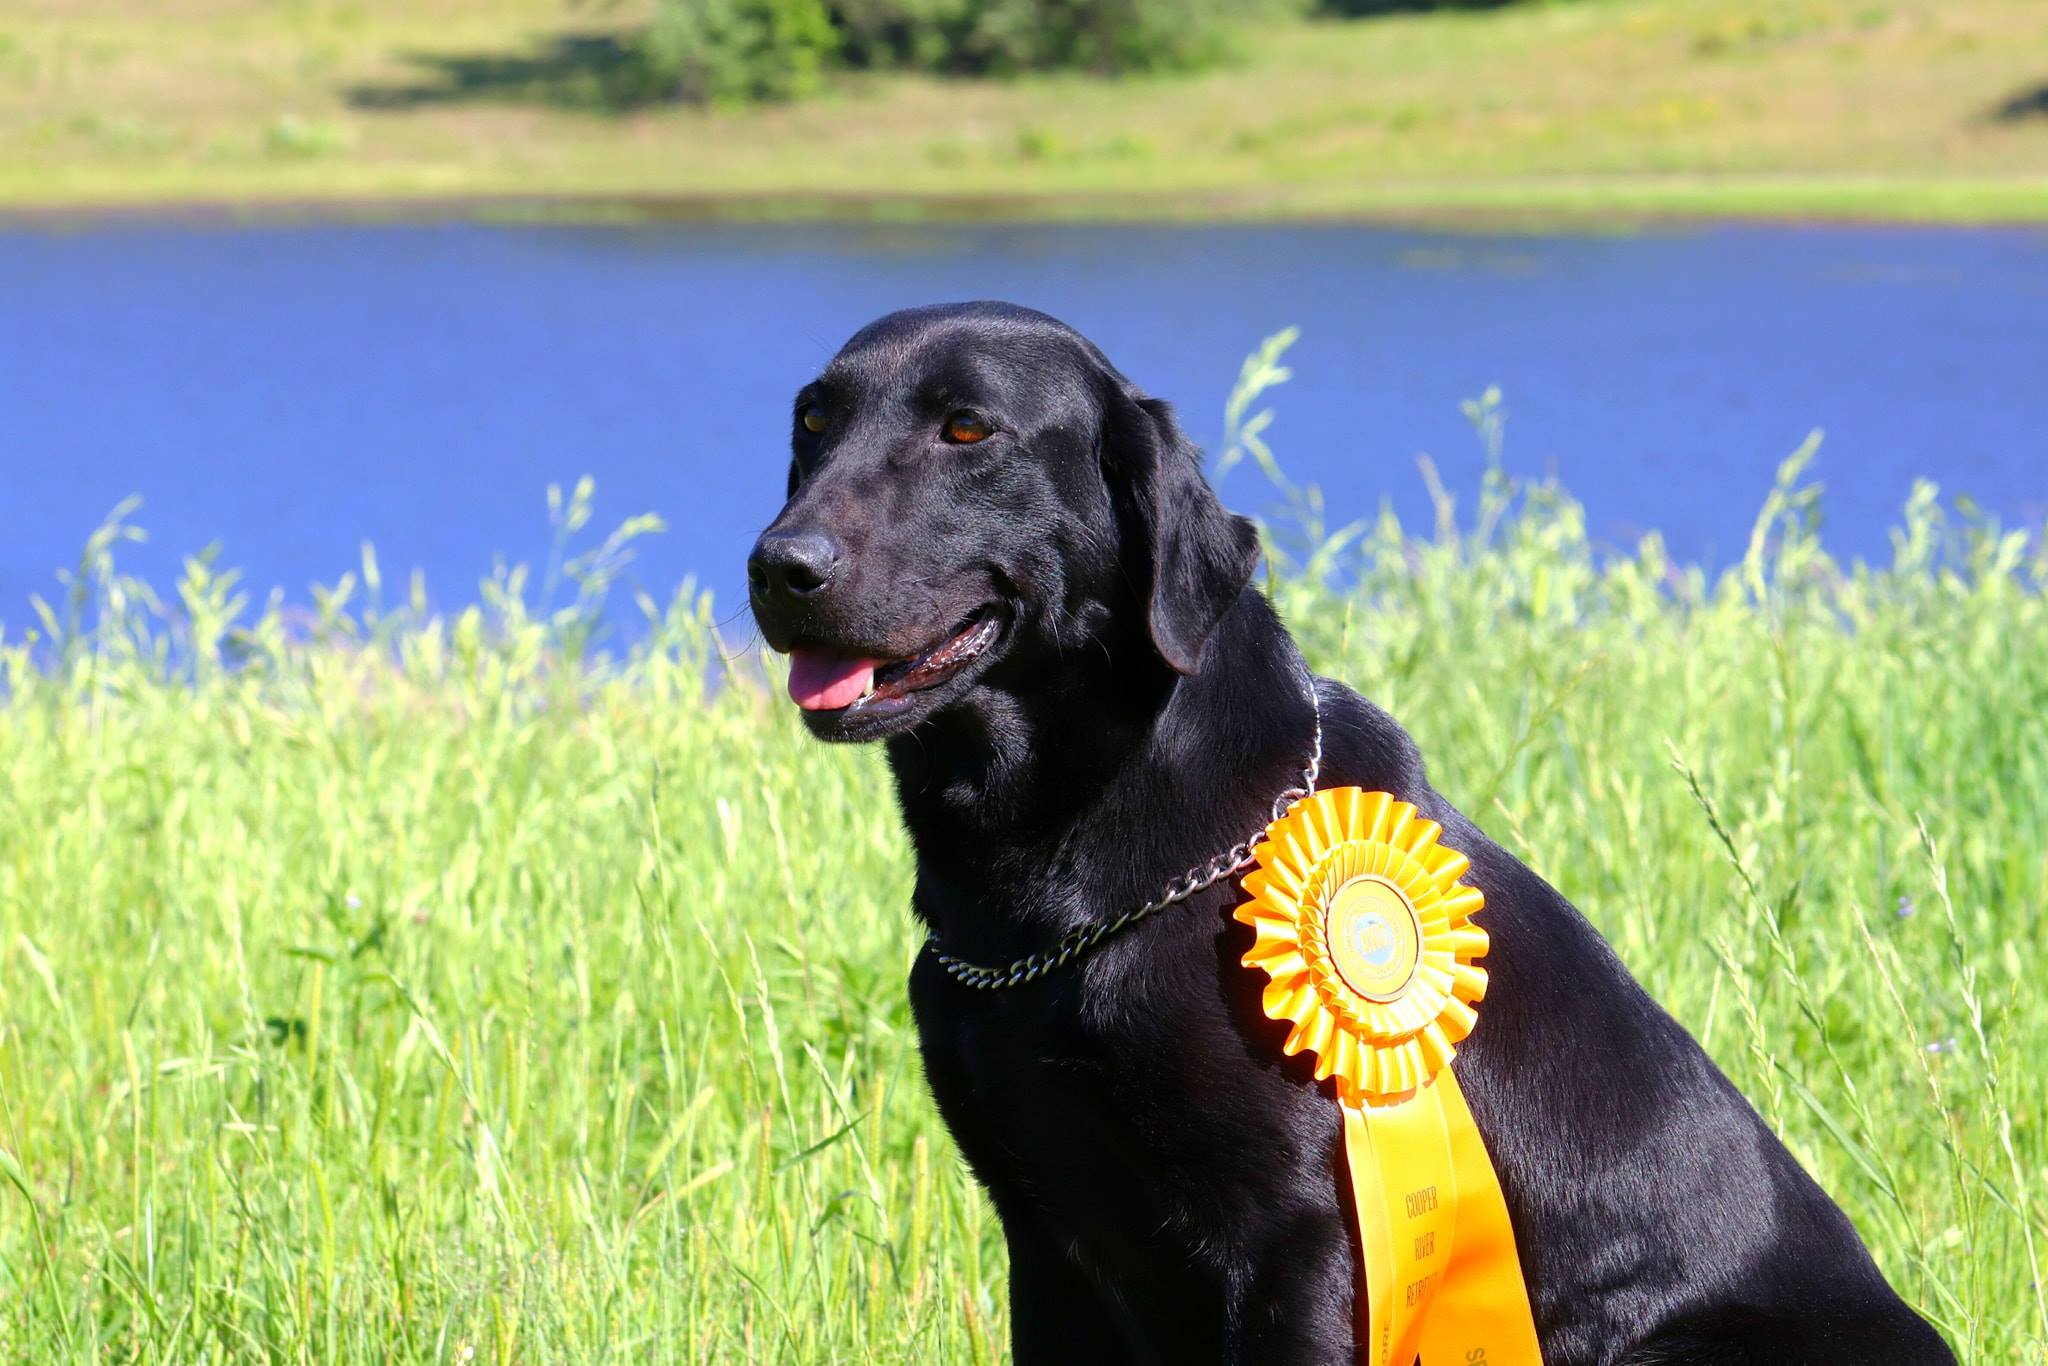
814	417
966	427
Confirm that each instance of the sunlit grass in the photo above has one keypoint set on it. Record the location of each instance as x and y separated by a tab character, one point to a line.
1577	109
383	987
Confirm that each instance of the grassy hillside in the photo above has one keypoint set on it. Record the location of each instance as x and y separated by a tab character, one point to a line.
402	992
1885	108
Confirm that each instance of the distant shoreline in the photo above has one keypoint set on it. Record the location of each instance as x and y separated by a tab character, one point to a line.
1511	117
1620	205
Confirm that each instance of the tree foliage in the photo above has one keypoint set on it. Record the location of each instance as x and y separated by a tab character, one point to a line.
775	49
728	50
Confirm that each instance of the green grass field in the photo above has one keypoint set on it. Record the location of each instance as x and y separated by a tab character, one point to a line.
377	987
1580	109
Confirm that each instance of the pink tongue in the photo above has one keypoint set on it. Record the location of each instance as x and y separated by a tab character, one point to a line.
820	680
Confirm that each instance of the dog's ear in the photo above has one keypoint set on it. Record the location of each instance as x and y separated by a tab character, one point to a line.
1189	556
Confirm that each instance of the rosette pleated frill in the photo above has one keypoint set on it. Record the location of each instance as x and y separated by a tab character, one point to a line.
1366	934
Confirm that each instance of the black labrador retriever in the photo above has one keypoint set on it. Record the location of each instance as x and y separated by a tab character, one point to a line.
1002	559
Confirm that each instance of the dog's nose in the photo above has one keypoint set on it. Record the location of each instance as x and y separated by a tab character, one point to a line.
792	563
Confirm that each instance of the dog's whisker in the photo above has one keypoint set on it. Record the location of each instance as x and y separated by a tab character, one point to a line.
754	646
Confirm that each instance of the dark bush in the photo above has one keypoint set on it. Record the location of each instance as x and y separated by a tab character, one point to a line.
739	49
974	36
773	49
1358	9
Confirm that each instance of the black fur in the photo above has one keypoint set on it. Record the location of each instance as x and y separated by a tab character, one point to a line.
1171	1188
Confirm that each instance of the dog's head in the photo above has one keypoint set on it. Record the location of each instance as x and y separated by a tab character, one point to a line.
974	493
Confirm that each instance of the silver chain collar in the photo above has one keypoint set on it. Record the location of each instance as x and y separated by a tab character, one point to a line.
1083	940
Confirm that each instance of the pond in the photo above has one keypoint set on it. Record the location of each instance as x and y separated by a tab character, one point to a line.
292	391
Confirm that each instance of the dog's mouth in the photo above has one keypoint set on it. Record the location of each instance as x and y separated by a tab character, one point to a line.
848	685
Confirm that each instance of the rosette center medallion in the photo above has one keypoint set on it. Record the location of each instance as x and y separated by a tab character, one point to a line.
1375	938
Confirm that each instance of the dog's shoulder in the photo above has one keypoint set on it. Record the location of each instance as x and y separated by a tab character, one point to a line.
1364	746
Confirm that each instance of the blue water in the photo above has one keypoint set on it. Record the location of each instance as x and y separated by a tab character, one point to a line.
292	391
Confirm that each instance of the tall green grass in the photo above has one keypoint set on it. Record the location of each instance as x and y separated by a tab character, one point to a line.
384	986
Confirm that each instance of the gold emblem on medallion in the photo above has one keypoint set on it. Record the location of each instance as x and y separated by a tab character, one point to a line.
1375	938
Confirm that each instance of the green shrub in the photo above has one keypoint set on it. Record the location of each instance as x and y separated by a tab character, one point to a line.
777	49
739	49
1029	35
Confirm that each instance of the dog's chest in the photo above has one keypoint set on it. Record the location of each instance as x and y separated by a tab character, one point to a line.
1037	1073
1114	1127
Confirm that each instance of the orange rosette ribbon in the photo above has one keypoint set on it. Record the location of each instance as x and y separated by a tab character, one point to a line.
1365	933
